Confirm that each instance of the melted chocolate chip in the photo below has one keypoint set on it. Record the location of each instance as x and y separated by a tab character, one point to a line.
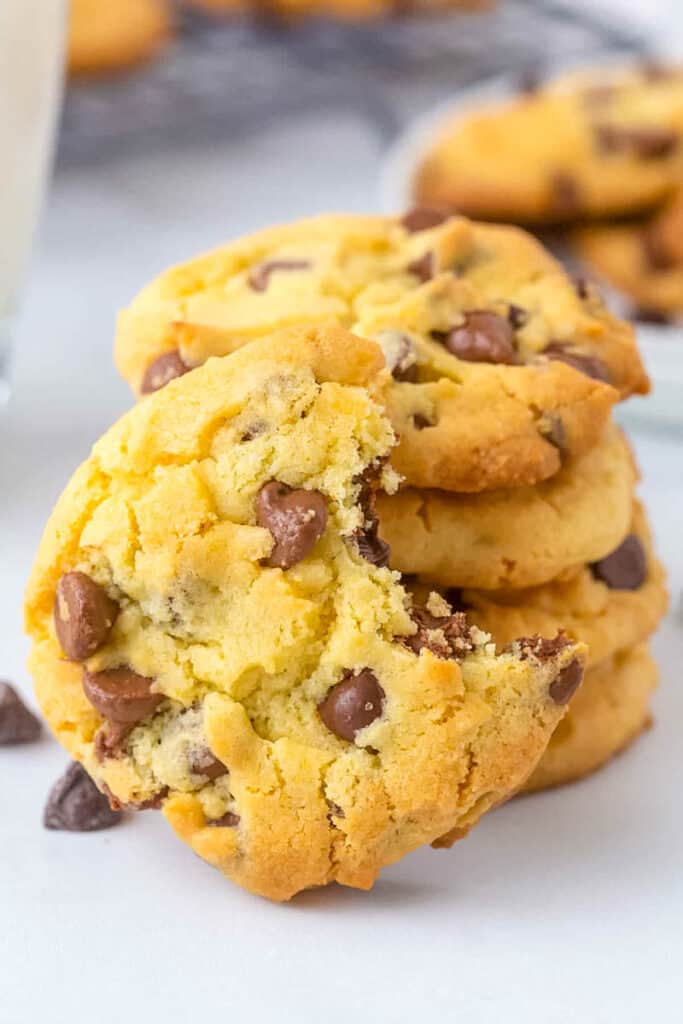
446	636
352	704
422	218
517	316
296	519
421	422
541	647
553	430
164	369
259	276
399	354
647	142
17	723
483	338
370	546
565	195
84	615
581	361
625	568
229	820
203	762
423	268
653	316
581	285
455	599
109	739
152	803
565	685
121	695
75	804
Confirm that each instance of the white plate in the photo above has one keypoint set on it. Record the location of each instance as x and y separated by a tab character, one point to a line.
661	346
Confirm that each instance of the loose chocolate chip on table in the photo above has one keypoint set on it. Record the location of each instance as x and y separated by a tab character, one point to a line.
483	338
17	723
422	218
352	704
423	268
296	519
162	370
590	365
259	276
228	820
647	142
517	316
565	195
565	685
203	762
75	804
625	568
84	615
120	694
446	636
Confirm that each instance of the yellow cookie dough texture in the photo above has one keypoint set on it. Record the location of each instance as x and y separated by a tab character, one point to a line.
463	425
515	538
104	36
162	518
590	144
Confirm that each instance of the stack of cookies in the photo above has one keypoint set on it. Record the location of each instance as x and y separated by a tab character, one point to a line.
327	592
599	153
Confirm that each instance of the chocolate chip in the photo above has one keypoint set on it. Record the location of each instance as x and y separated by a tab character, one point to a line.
352	704
259	276
563	688
455	599
152	803
420	422
228	820
370	546
655	251
647	142
84	615
75	804
565	195
553	430
17	723
203	762
399	353
446	636
162	370
120	694
517	316
653	316
109	739
422	218
296	519
541	647
423	268
254	429
483	338
625	568
581	361
581	285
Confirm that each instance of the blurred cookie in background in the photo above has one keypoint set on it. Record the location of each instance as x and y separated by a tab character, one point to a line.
105	37
342	10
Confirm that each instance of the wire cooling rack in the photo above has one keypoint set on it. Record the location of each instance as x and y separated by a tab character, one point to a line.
226	78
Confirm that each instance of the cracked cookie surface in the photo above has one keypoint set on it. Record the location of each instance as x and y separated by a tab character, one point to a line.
501	367
514	538
590	144
214	633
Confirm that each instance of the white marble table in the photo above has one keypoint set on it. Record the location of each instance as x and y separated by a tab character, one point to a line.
563	907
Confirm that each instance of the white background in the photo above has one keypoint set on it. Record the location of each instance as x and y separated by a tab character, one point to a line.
560	907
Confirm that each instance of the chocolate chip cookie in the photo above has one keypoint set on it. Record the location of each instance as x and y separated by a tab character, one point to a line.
611	604
104	37
609	711
595	144
643	259
502	368
215	632
521	537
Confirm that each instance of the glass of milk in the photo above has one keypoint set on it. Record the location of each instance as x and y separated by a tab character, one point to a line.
31	71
